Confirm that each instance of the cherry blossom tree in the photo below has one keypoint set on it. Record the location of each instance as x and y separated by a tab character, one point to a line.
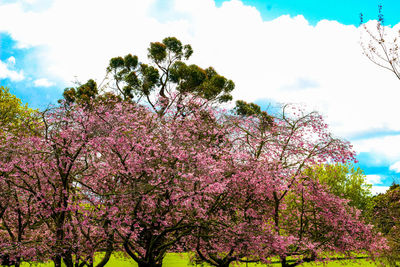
47	169
158	170
108	176
285	145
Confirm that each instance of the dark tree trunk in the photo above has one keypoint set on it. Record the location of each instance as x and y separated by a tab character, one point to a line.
284	262
110	248
68	260
17	262
57	261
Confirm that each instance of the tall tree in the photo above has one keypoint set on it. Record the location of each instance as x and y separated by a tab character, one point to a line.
167	80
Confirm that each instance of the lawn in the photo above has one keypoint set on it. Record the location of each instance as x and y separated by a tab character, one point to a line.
182	260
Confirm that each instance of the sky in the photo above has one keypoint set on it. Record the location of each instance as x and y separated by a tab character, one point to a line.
276	51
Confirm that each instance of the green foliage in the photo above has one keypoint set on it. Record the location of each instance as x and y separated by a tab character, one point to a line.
14	116
385	215
346	181
250	109
81	94
165	72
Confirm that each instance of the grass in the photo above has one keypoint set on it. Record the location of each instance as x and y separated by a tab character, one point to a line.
182	260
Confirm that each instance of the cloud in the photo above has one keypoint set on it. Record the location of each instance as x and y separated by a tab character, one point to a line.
379	189
373	179
384	149
395	167
7	73
43	82
322	65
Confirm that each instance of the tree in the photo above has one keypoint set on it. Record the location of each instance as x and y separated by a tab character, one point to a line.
380	47
344	181
14	117
303	211
235	228
16	219
167	80
46	170
385	215
83	94
160	172
166	85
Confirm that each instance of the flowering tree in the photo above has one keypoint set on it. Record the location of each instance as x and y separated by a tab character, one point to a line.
110	175
157	171
20	229
46	171
286	145
235	227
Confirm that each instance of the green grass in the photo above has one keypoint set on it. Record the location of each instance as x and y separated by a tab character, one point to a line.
182	260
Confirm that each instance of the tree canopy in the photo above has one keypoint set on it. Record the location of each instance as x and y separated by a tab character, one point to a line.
345	181
162	82
14	116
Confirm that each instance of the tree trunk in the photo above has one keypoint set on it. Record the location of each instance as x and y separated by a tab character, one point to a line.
68	260
17	262
284	262
57	261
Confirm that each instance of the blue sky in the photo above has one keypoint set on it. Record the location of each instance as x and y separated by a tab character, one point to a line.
343	11
27	60
296	51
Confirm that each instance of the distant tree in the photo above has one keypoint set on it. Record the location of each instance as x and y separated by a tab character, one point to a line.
385	215
14	116
344	181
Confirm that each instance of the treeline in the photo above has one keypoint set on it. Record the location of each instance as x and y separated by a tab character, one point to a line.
149	163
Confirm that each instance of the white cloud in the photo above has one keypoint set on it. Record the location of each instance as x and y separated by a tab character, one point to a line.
7	73
395	167
385	149
379	189
43	82
373	179
266	59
